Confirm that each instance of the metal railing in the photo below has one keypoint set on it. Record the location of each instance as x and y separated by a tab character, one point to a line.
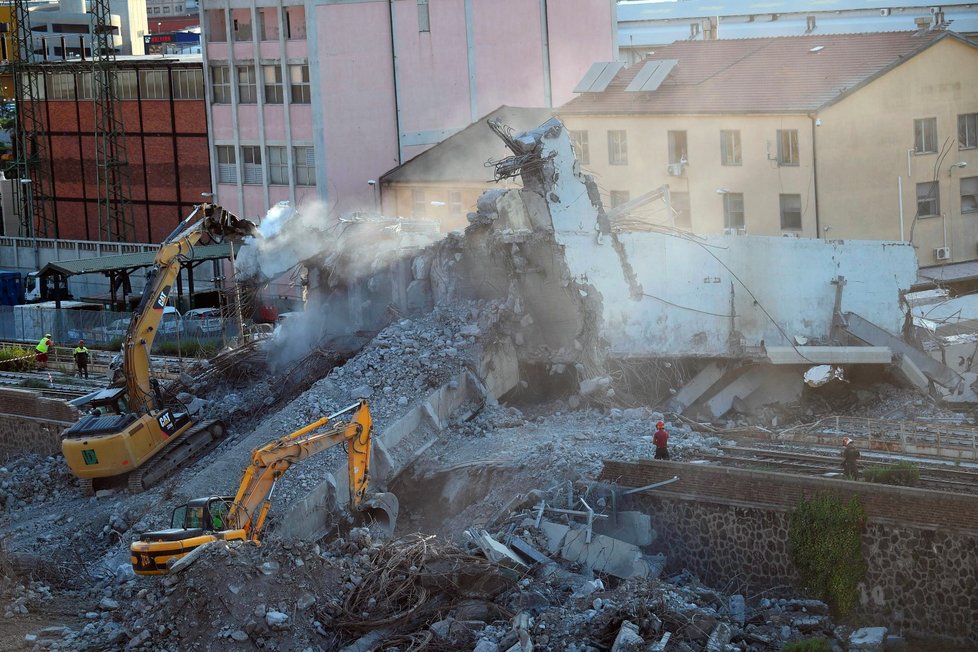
894	436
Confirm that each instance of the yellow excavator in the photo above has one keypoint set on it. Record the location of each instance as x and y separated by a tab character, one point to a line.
127	428
241	518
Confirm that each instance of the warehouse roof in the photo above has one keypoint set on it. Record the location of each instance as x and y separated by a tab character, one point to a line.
107	264
758	75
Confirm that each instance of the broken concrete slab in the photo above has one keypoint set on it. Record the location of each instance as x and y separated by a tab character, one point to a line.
627	638
631	527
699	385
868	639
808	355
605	554
556	532
493	550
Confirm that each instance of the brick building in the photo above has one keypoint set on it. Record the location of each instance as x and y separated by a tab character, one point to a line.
162	106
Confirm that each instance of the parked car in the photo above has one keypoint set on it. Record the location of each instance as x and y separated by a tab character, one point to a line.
171	325
203	322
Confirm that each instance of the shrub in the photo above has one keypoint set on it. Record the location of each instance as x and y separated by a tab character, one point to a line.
902	474
16	358
825	540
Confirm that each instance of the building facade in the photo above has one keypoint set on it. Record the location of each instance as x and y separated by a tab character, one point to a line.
644	26
62	30
824	136
314	99
163	111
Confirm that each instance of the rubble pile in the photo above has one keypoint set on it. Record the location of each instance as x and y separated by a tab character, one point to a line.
34	481
418	592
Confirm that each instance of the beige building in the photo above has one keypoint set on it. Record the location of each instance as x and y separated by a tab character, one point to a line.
810	136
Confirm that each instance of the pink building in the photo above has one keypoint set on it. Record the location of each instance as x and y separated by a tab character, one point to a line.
316	98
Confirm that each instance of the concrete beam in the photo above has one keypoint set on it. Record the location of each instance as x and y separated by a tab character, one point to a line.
814	355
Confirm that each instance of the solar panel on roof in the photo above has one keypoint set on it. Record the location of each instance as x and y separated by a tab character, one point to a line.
652	74
598	77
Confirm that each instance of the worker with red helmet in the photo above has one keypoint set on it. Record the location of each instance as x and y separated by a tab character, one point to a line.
850	458
661	441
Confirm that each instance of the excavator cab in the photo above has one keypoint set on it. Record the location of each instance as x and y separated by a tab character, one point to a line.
204	514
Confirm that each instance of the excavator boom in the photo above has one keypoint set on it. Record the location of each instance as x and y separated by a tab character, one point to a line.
243	518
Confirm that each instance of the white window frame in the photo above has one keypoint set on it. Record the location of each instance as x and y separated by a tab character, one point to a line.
788	210
929	199
969	195
617	147
252	172
579	139
925	136
788	152
227	164
300	90
304	160
221	84
730	148
188	83
278	165
967	130
273	89
734	215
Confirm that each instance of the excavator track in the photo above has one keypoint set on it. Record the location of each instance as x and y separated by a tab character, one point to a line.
87	486
189	446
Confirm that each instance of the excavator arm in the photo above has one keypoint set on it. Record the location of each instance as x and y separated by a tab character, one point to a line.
204	219
268	463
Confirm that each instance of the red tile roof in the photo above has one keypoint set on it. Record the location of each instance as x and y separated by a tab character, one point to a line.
758	75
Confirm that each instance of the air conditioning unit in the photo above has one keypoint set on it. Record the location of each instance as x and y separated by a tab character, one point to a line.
942	253
884	12
675	169
935	10
739	230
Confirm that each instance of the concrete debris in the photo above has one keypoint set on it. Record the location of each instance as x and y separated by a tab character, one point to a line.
868	639
628	638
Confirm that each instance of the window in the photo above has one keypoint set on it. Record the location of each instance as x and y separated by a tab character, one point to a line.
733	210
154	85
241	24
967	130
455	202
418	205
677	147
295	22
680	209
617	198
227	164
166	10
730	147
188	84
787	147
305	165
791	212
969	195
272	74
61	86
221	84
278	165
617	147
928	199
299	89
247	86
217	25
925	135
251	161
268	23
424	20
86	88
581	146
125	85
179	9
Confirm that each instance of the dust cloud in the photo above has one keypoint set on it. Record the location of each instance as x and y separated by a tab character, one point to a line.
341	251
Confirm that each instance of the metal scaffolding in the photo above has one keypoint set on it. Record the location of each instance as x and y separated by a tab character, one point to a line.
115	216
34	193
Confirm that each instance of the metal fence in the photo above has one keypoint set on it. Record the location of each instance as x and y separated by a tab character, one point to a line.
103	328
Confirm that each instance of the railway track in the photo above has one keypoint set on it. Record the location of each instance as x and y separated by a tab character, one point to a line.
934	474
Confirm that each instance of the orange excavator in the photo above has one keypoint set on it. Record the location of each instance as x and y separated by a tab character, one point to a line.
127	429
241	518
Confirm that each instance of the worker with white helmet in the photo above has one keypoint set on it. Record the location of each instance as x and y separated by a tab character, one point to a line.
850	458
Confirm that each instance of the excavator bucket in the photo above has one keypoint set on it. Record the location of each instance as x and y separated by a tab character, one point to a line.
381	510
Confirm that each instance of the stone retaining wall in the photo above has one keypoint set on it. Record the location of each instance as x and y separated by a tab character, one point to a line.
31	423
731	525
